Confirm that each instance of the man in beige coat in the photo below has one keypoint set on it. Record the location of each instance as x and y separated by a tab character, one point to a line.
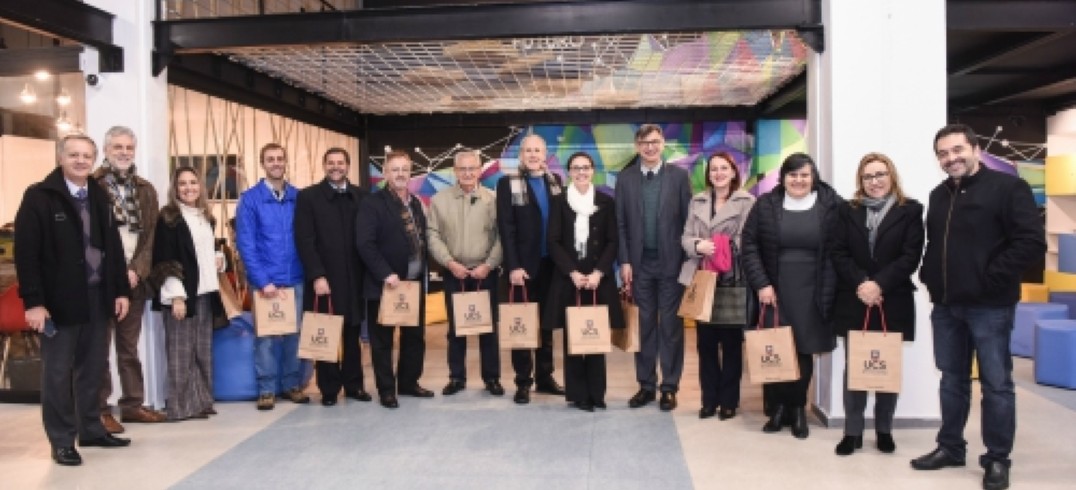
463	238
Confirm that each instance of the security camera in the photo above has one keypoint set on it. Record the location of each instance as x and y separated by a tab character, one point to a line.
92	80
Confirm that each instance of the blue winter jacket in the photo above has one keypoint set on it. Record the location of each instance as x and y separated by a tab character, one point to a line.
265	237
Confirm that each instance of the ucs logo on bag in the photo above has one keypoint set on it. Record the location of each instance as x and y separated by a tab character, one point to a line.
401	303
472	315
691	293
276	314
517	327
320	338
875	365
771	358
590	330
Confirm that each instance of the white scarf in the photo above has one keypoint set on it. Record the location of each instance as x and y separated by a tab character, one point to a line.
800	203
583	205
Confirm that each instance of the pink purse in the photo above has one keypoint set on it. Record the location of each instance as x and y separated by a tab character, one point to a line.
721	260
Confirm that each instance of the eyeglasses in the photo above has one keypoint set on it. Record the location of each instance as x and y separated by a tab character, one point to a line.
467	170
648	143
579	168
877	176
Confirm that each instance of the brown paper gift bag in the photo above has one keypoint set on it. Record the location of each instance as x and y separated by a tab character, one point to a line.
874	358
471	312
627	338
518	323
400	305
698	300
587	328
233	307
321	335
770	352
275	316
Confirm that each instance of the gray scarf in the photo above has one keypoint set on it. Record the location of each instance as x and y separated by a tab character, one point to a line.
876	211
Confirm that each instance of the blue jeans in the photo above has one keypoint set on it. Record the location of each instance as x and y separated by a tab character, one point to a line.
278	355
958	331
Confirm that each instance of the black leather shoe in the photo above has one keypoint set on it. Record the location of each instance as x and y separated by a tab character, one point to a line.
996	477
642	397
707	412
668	401
776	415
799	423
418	392
936	460
494	387
328	402
360	395
848	445
600	404
389	401
549	386
886	443
523	396
453	387
726	413
107	440
584	406
66	456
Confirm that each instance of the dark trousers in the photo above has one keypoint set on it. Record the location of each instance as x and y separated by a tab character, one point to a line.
791	394
958	332
661	332
584	377
347	373
72	362
488	349
855	404
412	353
719	377
540	362
128	365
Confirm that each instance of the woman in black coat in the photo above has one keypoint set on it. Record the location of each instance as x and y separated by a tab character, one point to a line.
185	267
876	246
584	268
785	259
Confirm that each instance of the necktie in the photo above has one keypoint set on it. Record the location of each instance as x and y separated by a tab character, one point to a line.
650	175
92	254
81	194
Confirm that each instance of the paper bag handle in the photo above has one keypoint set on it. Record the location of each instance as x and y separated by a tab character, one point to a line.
512	288
478	286
625	294
867	318
316	296
762	314
578	301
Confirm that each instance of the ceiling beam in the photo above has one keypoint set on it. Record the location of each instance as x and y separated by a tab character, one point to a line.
53	59
793	91
68	19
1031	83
1010	15
217	76
1005	47
486	21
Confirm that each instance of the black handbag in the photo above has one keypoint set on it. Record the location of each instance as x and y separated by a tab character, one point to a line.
735	303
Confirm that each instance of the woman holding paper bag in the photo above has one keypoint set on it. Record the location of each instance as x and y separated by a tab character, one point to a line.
582	239
717	212
786	261
185	267
876	247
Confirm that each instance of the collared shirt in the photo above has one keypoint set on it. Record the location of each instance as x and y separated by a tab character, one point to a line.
277	194
74	188
656	170
339	188
462	226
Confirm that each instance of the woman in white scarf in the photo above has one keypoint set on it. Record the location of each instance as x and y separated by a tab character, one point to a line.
582	240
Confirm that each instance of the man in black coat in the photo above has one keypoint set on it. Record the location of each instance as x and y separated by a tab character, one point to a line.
391	238
325	238
523	203
983	232
72	280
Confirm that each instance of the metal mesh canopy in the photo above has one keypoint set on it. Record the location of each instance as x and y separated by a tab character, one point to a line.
550	73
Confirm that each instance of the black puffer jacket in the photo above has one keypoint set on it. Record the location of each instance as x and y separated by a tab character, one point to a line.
762	244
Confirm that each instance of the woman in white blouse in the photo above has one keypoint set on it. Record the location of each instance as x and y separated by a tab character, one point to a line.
185	266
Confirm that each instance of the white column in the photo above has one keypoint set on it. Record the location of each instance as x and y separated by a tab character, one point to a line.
880	86
138	100
1061	133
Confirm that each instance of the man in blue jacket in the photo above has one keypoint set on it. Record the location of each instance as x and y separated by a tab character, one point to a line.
266	242
983	232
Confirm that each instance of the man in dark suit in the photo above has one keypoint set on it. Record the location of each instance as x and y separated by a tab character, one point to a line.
522	217
651	208
391	238
72	280
325	238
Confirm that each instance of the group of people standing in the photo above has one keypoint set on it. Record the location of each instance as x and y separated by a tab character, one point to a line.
93	249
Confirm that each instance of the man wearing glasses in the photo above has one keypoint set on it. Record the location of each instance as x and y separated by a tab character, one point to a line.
651	209
463	238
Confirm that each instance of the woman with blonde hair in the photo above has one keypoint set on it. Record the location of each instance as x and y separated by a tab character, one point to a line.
875	246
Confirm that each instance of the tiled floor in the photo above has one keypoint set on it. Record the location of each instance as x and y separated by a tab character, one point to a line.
473	440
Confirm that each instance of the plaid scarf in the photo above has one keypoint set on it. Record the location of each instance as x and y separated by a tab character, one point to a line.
518	186
408	219
125	209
